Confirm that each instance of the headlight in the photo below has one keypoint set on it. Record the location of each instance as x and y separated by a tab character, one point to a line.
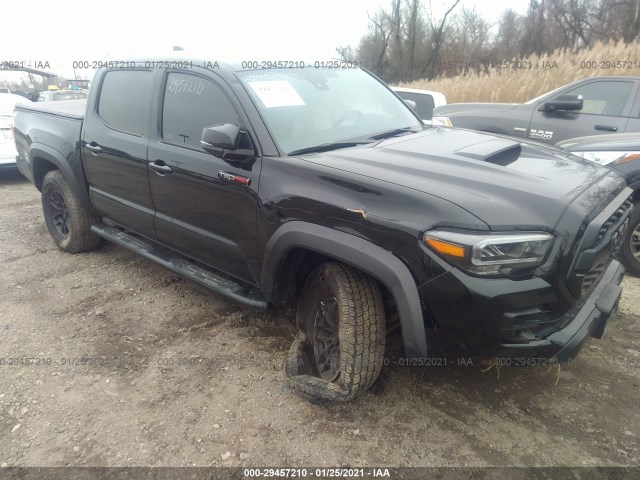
441	122
490	254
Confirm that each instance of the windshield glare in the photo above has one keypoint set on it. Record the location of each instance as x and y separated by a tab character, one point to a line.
308	107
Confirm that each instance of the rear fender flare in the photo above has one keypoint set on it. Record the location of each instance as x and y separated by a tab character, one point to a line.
40	152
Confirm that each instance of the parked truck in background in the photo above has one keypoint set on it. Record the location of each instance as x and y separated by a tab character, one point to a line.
318	186
425	101
592	106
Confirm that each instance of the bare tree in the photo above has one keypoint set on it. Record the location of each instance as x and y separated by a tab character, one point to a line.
508	37
437	39
373	46
608	19
533	40
406	42
346	53
397	24
414	25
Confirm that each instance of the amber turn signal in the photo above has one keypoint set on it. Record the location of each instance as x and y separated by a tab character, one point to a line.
446	248
628	158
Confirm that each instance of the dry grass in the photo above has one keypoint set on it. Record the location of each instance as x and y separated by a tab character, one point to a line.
522	84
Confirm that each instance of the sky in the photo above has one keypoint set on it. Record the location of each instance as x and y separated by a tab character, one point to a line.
62	33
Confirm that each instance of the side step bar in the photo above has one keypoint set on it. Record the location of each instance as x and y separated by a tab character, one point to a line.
203	276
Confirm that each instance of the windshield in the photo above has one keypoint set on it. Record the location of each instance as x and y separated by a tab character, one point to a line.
304	108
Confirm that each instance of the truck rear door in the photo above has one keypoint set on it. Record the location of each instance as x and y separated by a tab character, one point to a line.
606	109
114	148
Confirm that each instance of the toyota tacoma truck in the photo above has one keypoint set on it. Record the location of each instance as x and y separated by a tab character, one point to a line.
591	106
318	187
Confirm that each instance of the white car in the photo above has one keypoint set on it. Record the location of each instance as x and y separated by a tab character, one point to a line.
425	100
8	152
57	95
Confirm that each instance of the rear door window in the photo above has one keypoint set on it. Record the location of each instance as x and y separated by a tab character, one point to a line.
124	100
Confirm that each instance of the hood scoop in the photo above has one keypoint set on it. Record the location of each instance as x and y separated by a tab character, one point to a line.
499	151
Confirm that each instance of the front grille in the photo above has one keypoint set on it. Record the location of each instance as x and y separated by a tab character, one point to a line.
613	219
599	244
592	277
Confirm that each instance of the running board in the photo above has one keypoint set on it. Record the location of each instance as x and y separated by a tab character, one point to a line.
188	269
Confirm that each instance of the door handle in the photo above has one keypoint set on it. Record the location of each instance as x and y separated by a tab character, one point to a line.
607	128
160	167
94	148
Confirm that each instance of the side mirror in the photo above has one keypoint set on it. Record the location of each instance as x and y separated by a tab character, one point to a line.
563	102
411	104
224	141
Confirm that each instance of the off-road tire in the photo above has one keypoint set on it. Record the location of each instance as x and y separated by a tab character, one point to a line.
67	220
360	330
626	254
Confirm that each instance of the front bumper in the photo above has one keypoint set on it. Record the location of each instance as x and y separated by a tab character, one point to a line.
591	319
502	318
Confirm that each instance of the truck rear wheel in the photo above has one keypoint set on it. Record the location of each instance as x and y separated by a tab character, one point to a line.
630	248
68	221
340	349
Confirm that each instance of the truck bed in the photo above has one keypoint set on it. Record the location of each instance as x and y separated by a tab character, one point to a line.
46	127
67	108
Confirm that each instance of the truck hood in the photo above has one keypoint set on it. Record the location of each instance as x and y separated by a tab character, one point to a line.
505	183
465	107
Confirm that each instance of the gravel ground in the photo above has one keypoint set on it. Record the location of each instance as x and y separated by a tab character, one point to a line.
142	368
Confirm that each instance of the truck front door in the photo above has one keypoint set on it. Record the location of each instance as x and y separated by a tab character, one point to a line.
199	211
606	109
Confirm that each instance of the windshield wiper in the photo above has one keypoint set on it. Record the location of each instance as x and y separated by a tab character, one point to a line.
393	133
325	147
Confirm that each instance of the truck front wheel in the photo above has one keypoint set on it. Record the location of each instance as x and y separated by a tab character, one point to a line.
339	351
68	221
630	248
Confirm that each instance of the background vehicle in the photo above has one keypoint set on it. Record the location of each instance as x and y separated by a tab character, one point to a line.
8	151
592	106
30	95
322	188
425	100
622	153
57	95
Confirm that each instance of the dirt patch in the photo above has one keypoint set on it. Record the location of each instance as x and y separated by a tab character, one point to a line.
141	368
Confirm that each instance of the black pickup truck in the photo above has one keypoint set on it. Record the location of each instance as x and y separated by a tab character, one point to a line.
591	106
319	186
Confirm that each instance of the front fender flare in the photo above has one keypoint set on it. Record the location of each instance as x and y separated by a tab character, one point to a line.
377	262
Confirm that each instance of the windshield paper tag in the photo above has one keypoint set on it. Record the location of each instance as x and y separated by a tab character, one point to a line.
276	93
